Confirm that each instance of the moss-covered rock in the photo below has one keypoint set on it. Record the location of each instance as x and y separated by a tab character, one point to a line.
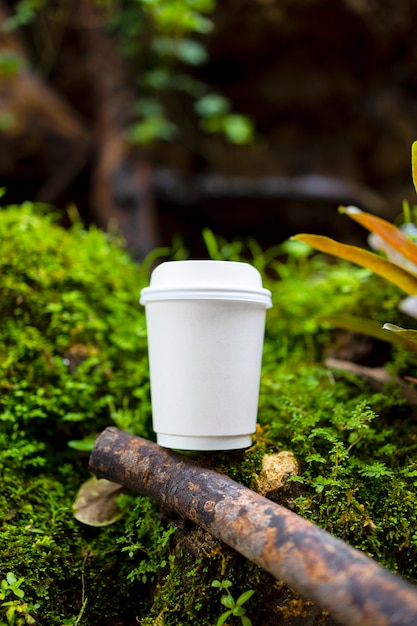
74	360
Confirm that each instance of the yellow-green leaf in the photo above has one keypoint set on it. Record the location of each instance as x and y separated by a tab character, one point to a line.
408	334
387	231
368	327
398	276
414	163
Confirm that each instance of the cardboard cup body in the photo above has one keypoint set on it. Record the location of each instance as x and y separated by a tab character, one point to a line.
205	357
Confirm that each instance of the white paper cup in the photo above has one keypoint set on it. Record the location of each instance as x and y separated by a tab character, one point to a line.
205	322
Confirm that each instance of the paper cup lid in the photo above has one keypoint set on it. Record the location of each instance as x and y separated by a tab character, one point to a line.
206	280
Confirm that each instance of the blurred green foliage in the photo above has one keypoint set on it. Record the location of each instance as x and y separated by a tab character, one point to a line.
163	41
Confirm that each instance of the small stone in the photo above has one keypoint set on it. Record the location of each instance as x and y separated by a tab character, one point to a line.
276	471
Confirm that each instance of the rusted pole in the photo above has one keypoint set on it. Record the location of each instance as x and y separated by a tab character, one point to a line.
352	587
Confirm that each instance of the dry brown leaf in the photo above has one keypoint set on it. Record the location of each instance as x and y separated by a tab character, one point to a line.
95	503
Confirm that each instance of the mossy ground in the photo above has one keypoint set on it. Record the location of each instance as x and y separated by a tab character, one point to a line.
74	360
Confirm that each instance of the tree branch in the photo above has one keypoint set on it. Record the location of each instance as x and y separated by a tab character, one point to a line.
352	587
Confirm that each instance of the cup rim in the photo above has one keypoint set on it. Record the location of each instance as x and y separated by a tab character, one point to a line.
156	294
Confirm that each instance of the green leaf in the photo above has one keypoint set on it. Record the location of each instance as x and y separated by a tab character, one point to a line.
157	78
238	129
228	601
25	13
244	597
82	445
223	618
387	231
238	611
245	621
191	52
409	335
10	63
315	457
180	17
212	104
321	482
150	129
187	50
212	244
375	470
398	276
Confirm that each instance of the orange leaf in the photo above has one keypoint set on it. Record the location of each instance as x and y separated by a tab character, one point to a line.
398	276
387	231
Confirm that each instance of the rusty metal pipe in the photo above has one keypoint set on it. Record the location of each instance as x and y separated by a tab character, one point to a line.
352	587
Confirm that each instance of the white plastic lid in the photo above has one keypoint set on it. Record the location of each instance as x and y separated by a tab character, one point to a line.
206	280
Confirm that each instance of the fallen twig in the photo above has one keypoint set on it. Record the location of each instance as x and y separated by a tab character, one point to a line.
352	587
377	376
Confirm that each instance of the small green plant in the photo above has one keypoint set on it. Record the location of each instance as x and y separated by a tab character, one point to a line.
15	612
11	585
233	607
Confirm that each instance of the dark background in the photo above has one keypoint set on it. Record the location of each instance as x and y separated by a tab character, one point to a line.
330	84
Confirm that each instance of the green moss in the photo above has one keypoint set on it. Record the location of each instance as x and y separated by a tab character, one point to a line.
185	594
358	459
356	446
72	339
74	360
